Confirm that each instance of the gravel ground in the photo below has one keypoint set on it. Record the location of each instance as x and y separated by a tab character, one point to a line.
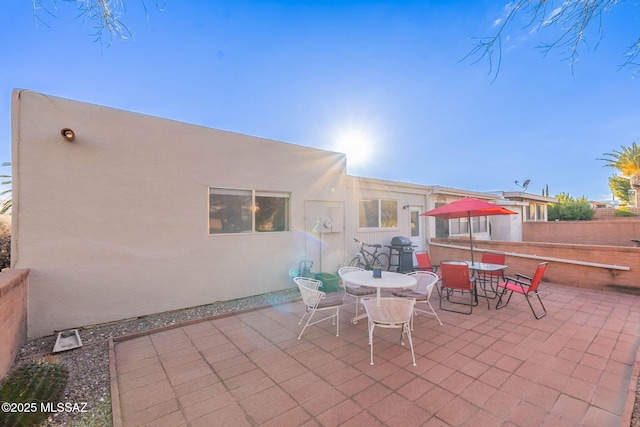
89	365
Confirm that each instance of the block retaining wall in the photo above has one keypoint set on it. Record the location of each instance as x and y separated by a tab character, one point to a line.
558	272
611	232
14	291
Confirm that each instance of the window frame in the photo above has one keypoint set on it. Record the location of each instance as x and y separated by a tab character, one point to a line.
251	209
379	214
456	223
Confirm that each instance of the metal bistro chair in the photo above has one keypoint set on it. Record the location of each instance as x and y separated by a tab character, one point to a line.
390	313
355	291
526	286
457	277
315	300
421	292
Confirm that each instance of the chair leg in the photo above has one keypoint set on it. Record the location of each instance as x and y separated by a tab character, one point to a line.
544	310
500	304
413	313
485	295
306	324
335	320
306	311
371	328
447	293
434	313
408	331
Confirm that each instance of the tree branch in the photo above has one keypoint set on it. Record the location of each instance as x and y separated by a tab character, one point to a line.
573	17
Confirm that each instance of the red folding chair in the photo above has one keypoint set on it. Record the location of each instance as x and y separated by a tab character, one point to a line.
526	286
424	263
492	278
457	277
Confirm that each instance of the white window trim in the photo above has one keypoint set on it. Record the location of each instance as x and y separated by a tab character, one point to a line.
254	193
379	227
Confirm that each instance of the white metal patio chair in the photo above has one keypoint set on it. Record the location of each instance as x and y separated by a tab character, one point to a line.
390	313
315	300
421	293
355	291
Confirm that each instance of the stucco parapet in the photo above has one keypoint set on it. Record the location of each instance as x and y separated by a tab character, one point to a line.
10	278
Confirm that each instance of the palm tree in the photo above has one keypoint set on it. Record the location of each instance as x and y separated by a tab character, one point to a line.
627	162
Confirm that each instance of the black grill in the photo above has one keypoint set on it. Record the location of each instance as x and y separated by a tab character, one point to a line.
401	254
400	241
401	244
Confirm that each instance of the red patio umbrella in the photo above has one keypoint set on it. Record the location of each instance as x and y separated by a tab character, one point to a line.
468	207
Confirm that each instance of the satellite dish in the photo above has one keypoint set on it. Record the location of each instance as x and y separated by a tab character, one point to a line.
524	184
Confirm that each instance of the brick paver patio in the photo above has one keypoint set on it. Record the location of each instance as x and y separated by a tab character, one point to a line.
574	367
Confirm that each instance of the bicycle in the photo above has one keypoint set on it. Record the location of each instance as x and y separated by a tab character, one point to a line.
366	259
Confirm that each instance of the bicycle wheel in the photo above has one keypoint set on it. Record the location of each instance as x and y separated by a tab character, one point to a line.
381	260
356	261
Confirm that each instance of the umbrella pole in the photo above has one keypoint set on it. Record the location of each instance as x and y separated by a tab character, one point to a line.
470	235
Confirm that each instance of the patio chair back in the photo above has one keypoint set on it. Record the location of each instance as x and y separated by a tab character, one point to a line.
426	281
354	291
315	300
390	313
489	278
537	277
309	290
494	258
345	270
456	275
424	261
421	292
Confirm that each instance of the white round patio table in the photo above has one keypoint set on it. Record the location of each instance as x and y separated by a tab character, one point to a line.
389	279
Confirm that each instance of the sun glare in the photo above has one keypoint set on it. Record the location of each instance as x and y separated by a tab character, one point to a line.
356	144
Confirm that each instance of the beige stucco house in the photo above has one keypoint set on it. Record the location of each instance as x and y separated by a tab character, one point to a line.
120	215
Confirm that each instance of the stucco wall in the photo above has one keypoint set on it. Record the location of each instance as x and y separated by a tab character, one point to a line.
613	232
14	290
115	224
558	272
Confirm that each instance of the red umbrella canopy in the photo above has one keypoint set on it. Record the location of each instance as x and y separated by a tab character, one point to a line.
468	207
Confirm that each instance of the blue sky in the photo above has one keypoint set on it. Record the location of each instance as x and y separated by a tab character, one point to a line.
388	74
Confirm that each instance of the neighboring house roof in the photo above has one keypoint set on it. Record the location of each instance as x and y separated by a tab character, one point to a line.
437	189
527	197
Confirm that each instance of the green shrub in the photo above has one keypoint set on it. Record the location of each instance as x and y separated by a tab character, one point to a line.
5	244
623	212
570	209
27	387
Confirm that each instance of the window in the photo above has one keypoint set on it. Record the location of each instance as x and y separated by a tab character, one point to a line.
272	212
378	214
530	212
461	225
415	224
247	211
479	224
535	212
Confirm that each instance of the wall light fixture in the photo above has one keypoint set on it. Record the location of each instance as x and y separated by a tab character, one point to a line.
68	134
